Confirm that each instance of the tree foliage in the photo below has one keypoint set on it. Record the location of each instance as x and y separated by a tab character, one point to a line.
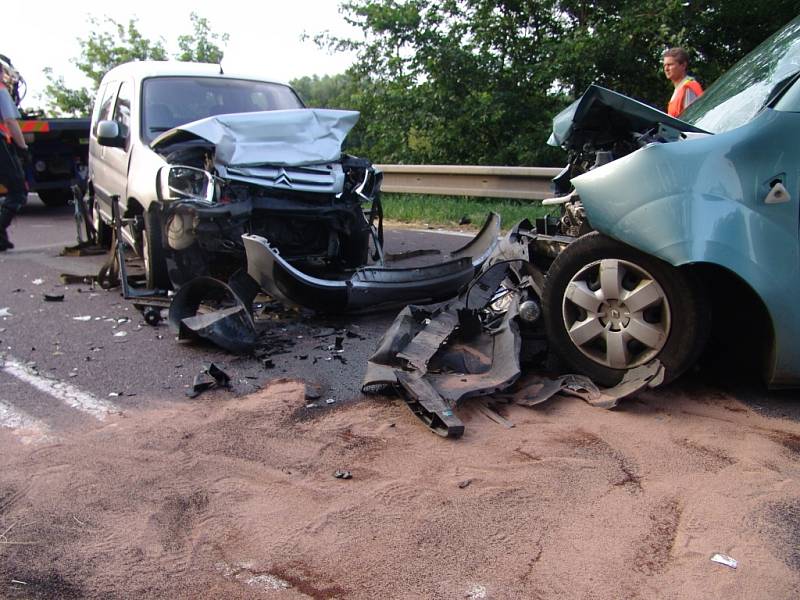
110	43
478	81
202	44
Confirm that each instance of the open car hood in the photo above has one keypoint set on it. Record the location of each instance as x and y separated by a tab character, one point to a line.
287	138
601	113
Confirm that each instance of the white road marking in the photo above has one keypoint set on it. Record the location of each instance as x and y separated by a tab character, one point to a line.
23	425
70	395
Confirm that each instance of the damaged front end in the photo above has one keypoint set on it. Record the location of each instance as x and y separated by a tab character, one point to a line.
274	192
278	174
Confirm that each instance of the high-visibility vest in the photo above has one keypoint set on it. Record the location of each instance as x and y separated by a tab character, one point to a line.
676	103
4	130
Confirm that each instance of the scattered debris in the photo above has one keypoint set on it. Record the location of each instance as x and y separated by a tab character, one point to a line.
210	377
38	281
5	312
82	318
53	297
120	334
207	308
330	401
474	346
341	474
726	560
465	483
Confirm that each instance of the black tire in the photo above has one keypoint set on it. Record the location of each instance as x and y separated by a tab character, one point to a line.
103	231
155	264
55	198
674	324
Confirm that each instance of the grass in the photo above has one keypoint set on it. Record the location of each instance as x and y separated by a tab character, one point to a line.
449	212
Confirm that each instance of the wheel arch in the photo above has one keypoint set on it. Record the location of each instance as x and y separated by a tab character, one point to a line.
730	297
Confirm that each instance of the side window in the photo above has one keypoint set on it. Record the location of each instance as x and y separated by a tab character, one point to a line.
106	104
122	110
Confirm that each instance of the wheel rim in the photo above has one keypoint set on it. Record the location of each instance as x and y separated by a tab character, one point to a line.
616	313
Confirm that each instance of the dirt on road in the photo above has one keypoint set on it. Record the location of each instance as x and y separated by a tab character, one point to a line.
235	497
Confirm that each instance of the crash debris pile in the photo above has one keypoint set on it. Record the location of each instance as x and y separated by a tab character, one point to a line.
476	344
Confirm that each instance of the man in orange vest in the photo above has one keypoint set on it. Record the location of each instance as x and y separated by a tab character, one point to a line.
12	176
687	90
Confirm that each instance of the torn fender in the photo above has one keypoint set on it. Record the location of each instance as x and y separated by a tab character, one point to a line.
368	288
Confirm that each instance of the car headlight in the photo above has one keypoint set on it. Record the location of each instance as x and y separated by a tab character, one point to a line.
186	183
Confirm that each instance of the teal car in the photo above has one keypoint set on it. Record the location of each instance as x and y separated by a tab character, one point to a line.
674	224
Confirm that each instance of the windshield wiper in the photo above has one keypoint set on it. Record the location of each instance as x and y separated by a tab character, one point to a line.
779	88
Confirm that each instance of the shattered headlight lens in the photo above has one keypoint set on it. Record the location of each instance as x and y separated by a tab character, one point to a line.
186	183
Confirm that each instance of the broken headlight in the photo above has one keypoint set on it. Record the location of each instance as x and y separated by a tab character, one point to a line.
186	183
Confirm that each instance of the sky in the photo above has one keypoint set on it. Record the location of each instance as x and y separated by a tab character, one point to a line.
265	37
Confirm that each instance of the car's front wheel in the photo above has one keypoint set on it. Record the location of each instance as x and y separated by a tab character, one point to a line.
610	308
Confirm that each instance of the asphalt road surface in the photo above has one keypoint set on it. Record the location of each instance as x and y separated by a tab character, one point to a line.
98	343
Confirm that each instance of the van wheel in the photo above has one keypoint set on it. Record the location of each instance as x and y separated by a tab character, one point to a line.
102	229
609	308
155	264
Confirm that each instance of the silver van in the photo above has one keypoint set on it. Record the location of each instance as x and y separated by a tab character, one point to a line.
197	158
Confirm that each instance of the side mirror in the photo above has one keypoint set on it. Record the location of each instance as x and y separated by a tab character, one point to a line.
185	183
108	134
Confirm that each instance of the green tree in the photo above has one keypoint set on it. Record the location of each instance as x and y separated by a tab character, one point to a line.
110	43
478	81
202	45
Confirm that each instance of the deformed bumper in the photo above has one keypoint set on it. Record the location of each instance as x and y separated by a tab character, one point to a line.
368	288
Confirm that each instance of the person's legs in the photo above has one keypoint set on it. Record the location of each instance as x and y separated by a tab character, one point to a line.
12	176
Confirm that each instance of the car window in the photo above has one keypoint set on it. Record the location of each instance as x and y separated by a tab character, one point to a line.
171	101
106	103
122	110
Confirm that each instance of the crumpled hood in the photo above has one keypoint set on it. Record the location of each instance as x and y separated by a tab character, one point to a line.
276	137
603	114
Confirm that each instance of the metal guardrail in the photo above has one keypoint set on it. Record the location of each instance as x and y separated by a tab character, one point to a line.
524	183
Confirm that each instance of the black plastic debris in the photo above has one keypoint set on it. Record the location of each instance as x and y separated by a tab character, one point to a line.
342	474
207	308
210	377
53	297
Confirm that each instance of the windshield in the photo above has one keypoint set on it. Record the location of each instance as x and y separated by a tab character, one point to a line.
171	101
740	93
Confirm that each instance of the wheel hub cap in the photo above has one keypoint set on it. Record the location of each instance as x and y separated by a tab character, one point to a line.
616	313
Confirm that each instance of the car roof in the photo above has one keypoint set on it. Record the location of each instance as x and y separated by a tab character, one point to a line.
159	68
